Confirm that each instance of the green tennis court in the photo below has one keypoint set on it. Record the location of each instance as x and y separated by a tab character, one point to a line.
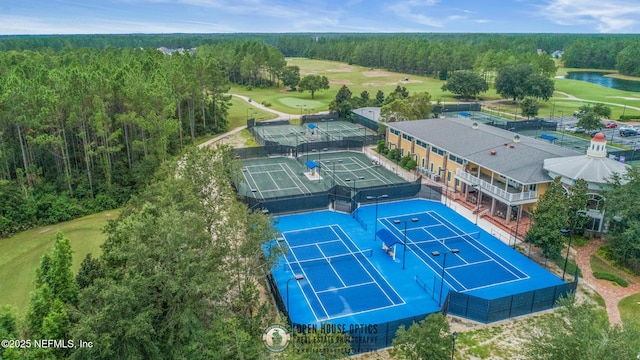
293	135
273	177
568	141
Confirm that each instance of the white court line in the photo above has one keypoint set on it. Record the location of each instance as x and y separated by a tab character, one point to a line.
288	171
453	226
331	265
254	181
280	189
422	259
441	241
365	269
328	317
271	167
315	243
367	168
274	181
347	287
493	284
475	263
308	282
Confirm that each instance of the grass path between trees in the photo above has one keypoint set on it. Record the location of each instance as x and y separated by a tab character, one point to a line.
20	254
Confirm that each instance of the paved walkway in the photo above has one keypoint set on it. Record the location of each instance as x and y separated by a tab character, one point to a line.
611	294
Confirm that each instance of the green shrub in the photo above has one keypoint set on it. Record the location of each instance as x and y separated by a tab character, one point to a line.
611	277
629	117
411	164
266	103
571	266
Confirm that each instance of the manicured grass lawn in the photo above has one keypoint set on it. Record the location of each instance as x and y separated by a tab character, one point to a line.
20	254
356	78
585	90
630	308
239	111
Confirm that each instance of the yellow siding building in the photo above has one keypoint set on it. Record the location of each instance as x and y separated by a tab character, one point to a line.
494	168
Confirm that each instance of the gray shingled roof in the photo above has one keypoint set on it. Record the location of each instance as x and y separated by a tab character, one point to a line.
523	162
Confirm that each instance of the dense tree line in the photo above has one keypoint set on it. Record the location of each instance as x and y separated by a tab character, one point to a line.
179	277
423	54
250	63
81	129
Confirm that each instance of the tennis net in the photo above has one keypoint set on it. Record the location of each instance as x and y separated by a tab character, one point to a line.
465	237
351	256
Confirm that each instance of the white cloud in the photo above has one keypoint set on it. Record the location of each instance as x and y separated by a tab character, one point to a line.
22	25
604	16
413	10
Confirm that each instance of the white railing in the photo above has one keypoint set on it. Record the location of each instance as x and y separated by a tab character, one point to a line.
494	190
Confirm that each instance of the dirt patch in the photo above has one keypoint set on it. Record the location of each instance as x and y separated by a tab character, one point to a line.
341	82
343	68
44	231
235	140
303	73
377	73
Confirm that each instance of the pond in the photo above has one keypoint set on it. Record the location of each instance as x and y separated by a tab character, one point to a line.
599	79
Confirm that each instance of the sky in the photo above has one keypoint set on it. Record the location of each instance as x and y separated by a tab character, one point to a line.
318	16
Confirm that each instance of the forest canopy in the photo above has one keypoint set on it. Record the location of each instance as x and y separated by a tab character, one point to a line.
82	129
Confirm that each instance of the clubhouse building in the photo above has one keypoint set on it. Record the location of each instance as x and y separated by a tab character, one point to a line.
499	174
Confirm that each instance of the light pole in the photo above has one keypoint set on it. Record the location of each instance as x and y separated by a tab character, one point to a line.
248	112
478	190
376	198
517	224
444	264
354	183
561	129
296	277
404	240
566	259
454	336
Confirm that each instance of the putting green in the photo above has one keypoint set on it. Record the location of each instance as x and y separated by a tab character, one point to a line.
294	102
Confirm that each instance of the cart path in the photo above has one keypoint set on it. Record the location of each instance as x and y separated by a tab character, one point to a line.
612	294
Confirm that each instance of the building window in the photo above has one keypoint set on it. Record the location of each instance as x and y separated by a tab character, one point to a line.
595	202
431	167
448	176
533	187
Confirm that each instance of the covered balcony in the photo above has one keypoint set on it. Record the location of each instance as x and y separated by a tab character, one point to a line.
505	193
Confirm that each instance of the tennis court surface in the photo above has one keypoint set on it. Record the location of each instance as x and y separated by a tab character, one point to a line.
336	270
429	232
308	133
273	177
334	266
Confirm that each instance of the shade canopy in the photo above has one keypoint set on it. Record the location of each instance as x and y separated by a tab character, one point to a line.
311	164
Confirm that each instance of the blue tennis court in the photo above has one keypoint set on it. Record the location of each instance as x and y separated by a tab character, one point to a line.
338	277
430	232
336	269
